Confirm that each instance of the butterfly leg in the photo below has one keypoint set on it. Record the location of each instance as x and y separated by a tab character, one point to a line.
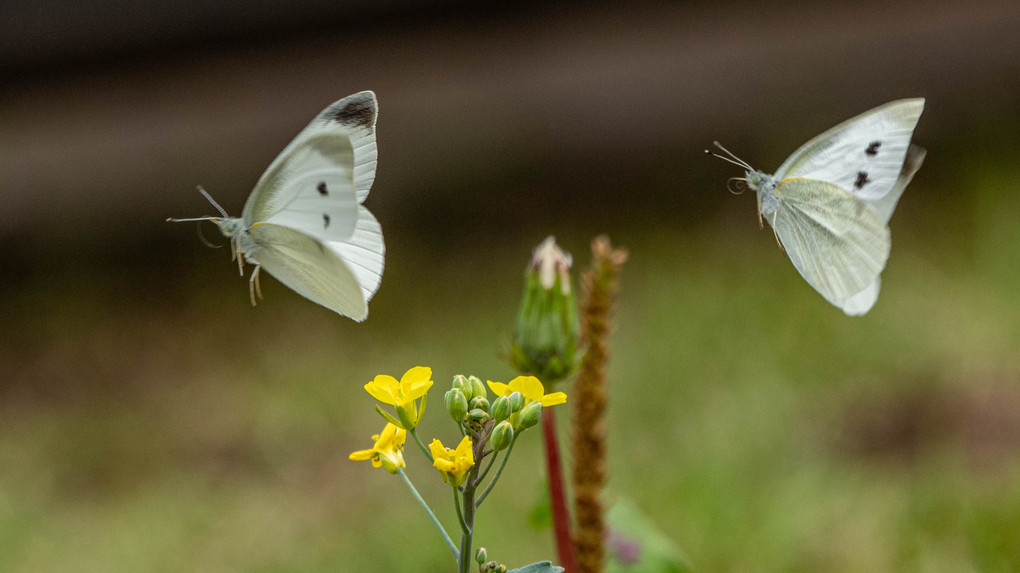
778	242
253	285
237	254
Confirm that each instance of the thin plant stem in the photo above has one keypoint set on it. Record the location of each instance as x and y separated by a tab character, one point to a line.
469	521
460	512
417	440
432	516
499	472
488	467
557	495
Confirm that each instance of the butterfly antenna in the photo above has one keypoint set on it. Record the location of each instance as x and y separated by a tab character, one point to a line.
213	201
730	157
213	219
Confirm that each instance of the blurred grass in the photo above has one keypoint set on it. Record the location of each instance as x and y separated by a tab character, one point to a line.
154	426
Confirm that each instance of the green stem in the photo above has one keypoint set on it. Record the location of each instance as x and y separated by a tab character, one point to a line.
465	530
432	516
485	472
469	520
417	440
499	472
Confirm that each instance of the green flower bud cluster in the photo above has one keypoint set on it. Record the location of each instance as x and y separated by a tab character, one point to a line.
545	339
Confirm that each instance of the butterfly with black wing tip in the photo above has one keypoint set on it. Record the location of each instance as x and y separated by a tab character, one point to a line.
830	202
305	223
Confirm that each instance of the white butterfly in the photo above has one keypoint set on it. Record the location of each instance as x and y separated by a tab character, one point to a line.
830	202
305	222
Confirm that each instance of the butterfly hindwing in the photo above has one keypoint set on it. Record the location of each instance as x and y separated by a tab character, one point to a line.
364	253
863	155
311	268
837	242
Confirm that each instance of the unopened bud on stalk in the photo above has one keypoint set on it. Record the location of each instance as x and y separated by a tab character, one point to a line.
477	388
501	436
501	409
479	402
456	404
545	339
530	415
478	415
517	401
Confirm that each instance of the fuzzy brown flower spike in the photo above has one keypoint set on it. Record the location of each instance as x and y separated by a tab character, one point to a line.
600	284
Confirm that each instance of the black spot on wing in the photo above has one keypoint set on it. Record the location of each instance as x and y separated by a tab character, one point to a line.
325	221
862	180
322	188
872	149
358	110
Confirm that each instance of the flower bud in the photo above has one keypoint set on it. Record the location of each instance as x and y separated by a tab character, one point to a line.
480	402
501	409
501	436
477	388
456	404
480	555
517	401
478	415
530	415
545	339
460	382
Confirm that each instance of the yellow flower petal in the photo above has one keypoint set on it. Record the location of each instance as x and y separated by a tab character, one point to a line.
415	376
553	399
361	455
384	388
499	388
529	386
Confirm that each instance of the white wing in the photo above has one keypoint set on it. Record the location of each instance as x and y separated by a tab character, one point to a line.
363	252
862	302
863	155
887	204
312	269
837	242
318	181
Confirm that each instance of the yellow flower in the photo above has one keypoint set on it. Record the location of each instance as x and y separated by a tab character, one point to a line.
453	464
388	450
412	385
531	388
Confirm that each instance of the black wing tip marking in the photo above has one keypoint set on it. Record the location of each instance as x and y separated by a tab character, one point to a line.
872	149
358	110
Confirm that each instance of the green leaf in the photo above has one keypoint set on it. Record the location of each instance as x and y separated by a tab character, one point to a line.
636	545
539	567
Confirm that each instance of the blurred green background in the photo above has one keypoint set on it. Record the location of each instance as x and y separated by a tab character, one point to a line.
152	420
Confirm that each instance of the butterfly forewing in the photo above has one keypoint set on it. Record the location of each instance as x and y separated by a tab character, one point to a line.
863	155
887	203
310	268
340	143
837	242
330	213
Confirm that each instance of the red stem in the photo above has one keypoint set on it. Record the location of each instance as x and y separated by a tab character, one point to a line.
557	495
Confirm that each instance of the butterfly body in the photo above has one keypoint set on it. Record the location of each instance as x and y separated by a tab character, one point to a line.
830	202
304	222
